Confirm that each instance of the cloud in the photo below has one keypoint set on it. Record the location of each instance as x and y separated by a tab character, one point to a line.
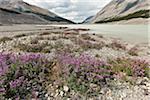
76	10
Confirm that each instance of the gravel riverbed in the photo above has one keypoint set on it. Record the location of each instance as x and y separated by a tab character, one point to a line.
51	41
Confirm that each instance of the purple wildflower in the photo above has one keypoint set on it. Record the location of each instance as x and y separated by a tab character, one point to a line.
85	66
2	90
16	82
17	98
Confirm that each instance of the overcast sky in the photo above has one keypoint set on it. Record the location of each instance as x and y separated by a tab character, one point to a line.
76	10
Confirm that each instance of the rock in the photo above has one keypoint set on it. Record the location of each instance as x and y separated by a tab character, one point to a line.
50	85
137	87
56	95
46	95
72	92
57	91
139	81
109	92
52	94
36	93
104	90
142	81
146	92
28	88
66	88
48	98
61	93
93	85
123	95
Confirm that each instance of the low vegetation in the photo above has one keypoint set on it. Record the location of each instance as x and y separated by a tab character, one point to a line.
4	39
29	74
138	14
22	75
20	35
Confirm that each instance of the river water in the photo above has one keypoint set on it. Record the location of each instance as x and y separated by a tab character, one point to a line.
129	33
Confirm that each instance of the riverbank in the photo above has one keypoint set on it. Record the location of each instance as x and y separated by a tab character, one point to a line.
72	66
126	33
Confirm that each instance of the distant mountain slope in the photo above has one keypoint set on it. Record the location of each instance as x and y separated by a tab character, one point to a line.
14	17
87	20
30	11
118	10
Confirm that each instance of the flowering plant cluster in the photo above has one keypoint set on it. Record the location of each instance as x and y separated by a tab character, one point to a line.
80	71
20	75
85	65
83	70
131	67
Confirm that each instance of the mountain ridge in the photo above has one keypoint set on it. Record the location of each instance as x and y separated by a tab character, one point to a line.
88	19
120	10
40	14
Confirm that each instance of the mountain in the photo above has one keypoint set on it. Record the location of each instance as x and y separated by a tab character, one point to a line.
123	10
18	11
14	17
87	20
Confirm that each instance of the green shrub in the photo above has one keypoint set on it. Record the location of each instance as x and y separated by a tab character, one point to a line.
4	39
20	35
45	33
131	67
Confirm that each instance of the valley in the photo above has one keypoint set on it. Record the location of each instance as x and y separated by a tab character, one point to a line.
45	56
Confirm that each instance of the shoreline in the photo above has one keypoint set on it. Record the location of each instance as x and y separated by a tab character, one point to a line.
25	29
126	33
35	30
